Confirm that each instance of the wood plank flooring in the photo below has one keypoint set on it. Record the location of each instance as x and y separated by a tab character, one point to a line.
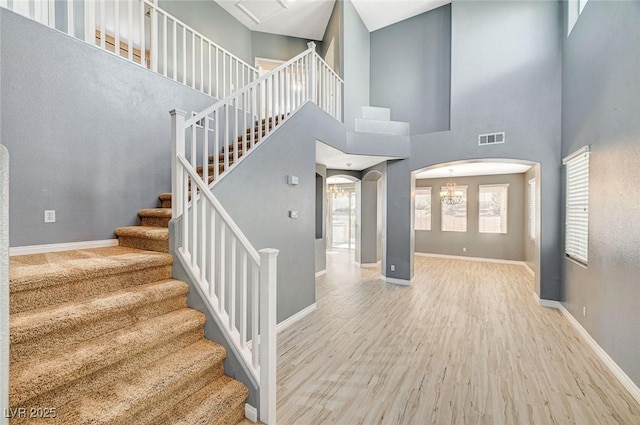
465	344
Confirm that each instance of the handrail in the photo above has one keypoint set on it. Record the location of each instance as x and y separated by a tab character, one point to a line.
334	73
147	35
4	284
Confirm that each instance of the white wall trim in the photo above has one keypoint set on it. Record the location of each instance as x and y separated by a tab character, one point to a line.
369	265
395	281
294	318
624	379
57	247
530	270
321	273
250	413
460	257
4	285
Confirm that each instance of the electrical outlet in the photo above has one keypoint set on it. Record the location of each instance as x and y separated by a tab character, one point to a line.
393	267
49	216
584	311
464	249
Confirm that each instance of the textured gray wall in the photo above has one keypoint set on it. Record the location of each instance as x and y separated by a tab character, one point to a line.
213	22
290	151
507	246
506	76
95	163
332	46
279	47
411	70
356	65
601	84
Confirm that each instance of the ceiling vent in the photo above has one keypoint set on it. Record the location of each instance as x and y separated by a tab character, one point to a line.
491	139
261	10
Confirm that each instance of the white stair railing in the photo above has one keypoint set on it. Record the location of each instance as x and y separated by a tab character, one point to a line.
239	283
145	34
4	285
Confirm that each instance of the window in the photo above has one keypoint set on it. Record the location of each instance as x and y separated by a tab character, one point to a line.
532	208
454	217
423	208
577	205
492	211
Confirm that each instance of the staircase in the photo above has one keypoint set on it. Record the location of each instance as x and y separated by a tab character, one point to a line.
104	336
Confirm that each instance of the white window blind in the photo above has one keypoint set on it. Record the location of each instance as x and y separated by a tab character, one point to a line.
454	217
493	208
532	208
423	208
577	205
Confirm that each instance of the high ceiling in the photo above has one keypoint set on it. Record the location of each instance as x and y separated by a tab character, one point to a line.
478	168
308	18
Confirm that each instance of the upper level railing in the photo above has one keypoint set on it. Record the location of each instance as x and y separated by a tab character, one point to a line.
142	32
238	283
4	284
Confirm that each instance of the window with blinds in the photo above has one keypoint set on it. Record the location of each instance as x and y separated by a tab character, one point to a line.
532	208
423	208
577	205
454	217
492	211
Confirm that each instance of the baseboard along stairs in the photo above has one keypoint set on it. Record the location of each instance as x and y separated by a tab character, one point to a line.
104	336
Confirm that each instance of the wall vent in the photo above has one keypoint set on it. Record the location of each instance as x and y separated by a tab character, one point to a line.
491	139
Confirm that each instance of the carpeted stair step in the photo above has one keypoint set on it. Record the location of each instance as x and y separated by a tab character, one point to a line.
42	280
219	403
146	394
144	237
49	372
155	217
38	332
165	199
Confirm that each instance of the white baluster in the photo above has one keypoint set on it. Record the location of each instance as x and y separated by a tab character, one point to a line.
165	40
153	53
212	254
236	131
89	22
232	286
216	146
143	36
130	43
116	27
52	15
243	299
184	55
223	261
201	65
71	25
209	67
174	50
255	315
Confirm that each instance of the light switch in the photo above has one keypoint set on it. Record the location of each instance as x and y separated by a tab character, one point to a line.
293	214
292	180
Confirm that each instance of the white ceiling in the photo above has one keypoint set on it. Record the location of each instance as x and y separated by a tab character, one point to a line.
378	14
309	18
337	160
474	169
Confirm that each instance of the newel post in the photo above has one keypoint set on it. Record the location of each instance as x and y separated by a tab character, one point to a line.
314	70
4	284
177	148
268	355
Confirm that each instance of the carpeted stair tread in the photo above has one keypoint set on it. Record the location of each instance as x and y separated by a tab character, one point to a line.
155	217
42	374
28	272
155	212
149	388
144	237
219	403
40	322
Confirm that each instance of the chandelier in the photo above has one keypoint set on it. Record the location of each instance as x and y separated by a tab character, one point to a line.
336	191
451	196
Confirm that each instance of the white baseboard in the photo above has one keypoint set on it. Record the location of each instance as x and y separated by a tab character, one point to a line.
292	319
624	379
369	265
530	270
403	282
321	273
461	257
250	413
57	247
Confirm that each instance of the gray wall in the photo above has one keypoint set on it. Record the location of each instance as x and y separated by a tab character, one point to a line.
290	151
279	47
371	218
356	65
600	108
332	46
507	246
411	70
320	205
213	22
95	163
506	76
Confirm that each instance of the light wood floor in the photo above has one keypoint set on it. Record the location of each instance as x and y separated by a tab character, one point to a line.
465	344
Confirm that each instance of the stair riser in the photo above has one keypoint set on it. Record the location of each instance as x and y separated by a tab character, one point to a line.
83	289
64	391
155	221
59	340
166	203
232	417
144	243
154	408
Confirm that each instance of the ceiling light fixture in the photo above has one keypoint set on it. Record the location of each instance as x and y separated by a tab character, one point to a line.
451	196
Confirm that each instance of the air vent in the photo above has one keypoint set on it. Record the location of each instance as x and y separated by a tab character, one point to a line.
491	139
261	10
